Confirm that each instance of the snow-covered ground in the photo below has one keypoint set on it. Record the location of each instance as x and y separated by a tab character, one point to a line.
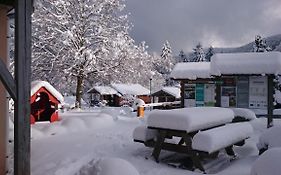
77	143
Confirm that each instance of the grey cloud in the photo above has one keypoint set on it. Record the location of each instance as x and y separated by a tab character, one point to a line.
186	22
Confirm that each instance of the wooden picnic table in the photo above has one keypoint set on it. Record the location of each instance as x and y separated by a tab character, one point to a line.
191	122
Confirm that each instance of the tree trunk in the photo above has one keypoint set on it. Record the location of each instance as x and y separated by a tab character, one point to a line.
79	91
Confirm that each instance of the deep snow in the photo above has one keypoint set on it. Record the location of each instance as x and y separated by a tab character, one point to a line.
74	145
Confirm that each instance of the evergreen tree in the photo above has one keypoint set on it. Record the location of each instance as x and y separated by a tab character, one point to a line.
209	53
260	45
183	57
165	65
199	54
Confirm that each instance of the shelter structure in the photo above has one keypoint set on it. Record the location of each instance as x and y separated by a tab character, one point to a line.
242	80
131	91
166	94
18	87
44	102
103	93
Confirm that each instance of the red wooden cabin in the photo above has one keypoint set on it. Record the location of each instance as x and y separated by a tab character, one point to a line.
44	102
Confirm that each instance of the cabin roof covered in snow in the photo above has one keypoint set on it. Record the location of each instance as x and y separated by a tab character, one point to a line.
131	89
36	85
191	70
103	90
246	63
174	91
230	64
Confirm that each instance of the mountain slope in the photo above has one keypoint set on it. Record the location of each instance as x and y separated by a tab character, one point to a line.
274	42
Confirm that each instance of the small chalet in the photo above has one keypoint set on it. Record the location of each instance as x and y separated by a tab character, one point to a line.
129	92
44	102
101	93
166	94
243	80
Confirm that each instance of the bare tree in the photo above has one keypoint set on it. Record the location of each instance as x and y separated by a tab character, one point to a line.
77	39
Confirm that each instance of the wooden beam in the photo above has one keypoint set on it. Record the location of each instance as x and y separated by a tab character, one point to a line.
270	106
7	80
23	9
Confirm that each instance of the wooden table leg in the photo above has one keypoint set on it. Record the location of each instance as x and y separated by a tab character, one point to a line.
229	151
193	154
158	145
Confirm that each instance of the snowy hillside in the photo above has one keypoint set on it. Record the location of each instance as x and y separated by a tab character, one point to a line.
274	42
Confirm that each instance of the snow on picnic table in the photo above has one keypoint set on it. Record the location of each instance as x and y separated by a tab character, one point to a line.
190	119
68	147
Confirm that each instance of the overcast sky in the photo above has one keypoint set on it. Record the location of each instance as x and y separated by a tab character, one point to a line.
220	23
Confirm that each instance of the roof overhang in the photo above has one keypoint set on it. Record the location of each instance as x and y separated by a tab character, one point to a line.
253	63
191	71
230	64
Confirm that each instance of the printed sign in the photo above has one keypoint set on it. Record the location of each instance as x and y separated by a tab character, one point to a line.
258	92
242	92
225	101
189	95
199	94
230	92
209	94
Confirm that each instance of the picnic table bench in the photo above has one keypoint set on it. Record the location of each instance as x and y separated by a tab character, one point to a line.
203	132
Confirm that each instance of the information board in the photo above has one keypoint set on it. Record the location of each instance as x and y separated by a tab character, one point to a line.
258	92
230	92
199	94
189	95
243	92
210	94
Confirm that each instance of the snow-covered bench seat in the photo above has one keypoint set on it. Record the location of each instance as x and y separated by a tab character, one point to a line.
190	119
221	137
269	139
243	114
143	134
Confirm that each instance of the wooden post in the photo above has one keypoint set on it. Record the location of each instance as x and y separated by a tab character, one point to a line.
23	10
270	106
182	83
3	92
218	94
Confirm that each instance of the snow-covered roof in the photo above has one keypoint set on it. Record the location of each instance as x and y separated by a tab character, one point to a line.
131	89
36	85
174	91
104	90
191	70
229	64
246	63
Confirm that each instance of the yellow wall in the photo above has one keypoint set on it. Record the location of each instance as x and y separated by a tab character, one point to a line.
3	93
